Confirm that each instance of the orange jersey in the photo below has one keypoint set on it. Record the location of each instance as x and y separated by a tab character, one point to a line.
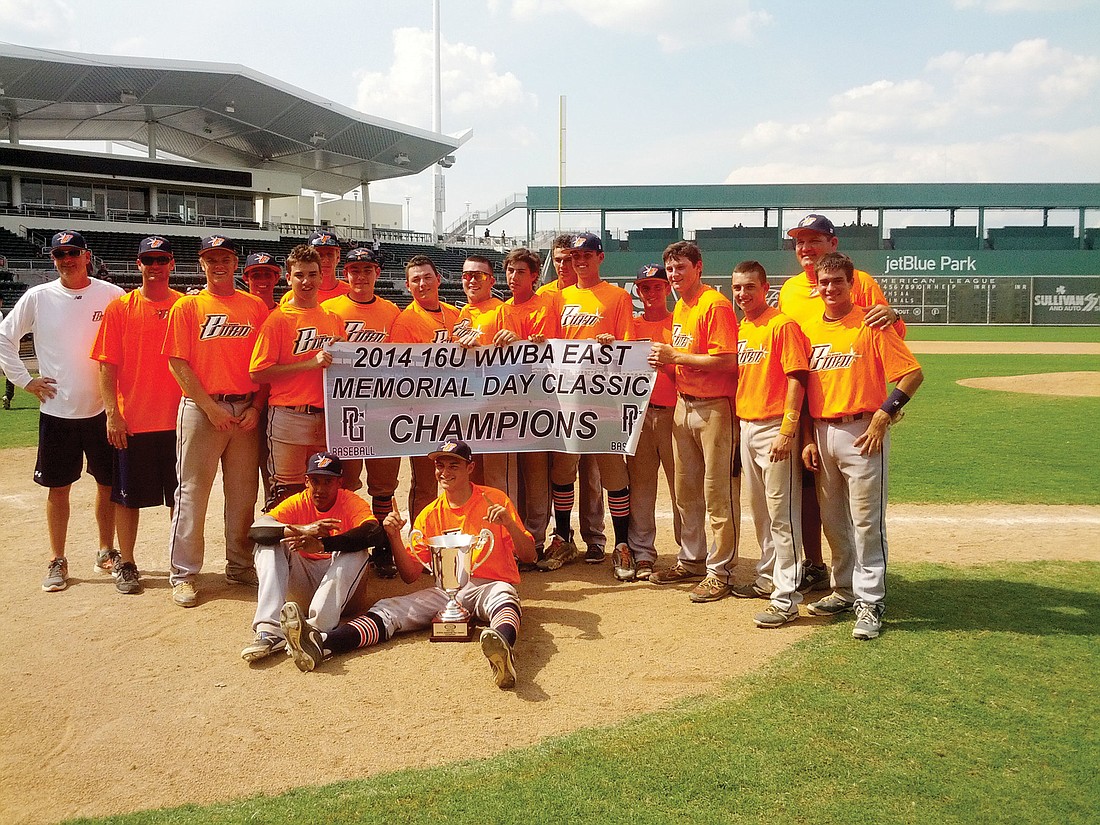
664	387
439	518
131	336
769	349
350	510
799	300
416	325
605	309
215	336
850	365
552	288
708	326
291	335
323	295
479	322
538	315
368	323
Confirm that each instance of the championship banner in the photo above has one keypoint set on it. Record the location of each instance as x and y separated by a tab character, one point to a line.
385	400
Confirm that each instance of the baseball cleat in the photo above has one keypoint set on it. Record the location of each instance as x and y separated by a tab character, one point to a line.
185	595
750	591
831	605
500	656
622	561
247	577
774	616
710	589
814	577
674	575
558	554
302	640
263	646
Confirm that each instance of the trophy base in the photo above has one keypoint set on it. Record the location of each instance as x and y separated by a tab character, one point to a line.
451	631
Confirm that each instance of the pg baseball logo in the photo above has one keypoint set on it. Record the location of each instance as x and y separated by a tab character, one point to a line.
823	359
218	326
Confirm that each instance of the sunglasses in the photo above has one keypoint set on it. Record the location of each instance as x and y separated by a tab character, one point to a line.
474	276
156	260
66	253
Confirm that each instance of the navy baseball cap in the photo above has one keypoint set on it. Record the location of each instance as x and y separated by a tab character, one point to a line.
260	259
217	242
814	223
324	464
651	272
68	239
323	238
363	255
453	447
586	240
155	243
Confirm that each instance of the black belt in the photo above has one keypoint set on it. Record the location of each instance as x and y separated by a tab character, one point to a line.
304	408
233	399
699	398
847	419
653	406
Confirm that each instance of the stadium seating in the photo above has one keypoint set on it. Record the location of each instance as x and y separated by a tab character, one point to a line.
934	237
1033	238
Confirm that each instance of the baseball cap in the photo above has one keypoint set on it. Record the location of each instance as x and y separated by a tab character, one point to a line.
68	239
260	259
651	272
814	223
586	240
324	464
217	242
323	238
453	447
154	243
364	255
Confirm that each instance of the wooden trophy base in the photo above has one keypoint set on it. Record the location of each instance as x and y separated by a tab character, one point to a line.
451	631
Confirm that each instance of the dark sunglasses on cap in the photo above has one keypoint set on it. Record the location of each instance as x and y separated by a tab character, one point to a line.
155	260
67	252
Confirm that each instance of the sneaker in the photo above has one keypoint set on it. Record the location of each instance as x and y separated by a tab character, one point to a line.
595	554
185	595
774	616
623	562
643	570
263	646
814	577
674	575
831	605
247	577
710	589
57	575
127	579
302	640
558	554
106	561
385	569
868	621
750	591
7	403
500	656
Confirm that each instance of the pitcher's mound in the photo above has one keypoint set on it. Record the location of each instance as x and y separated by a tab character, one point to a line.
1044	383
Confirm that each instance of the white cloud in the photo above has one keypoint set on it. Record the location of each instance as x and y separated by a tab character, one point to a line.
35	15
471	82
1008	6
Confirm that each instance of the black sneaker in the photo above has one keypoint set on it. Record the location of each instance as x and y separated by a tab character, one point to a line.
814	577
594	554
831	605
127	579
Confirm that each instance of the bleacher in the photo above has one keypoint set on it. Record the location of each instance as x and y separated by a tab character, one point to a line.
737	239
1032	238
934	237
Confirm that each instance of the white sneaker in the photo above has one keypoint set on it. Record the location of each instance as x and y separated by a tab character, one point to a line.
185	595
868	621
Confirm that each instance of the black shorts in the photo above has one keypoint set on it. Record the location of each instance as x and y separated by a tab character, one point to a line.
62	445
145	472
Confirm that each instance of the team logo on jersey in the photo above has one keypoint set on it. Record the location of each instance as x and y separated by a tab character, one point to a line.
97	315
307	340
747	357
358	333
571	316
680	339
218	326
161	313
440	336
823	359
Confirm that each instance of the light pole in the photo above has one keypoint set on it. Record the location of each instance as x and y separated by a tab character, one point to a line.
408	213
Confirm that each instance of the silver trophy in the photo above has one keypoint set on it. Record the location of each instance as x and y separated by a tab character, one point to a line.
452	565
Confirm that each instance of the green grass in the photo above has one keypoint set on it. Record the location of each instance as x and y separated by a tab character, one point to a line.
977	704
959	444
19	425
935	332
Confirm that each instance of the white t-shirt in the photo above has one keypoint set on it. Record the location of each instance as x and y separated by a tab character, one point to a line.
64	323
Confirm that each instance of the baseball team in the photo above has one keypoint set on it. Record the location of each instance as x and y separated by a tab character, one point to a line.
157	390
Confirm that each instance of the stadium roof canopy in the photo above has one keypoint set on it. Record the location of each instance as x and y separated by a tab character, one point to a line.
217	114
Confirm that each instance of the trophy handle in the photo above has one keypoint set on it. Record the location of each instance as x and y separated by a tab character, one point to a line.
484	540
417	543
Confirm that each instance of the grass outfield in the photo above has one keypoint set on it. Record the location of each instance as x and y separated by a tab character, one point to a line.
977	704
19	425
936	332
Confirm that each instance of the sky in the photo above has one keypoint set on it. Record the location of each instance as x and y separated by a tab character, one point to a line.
658	91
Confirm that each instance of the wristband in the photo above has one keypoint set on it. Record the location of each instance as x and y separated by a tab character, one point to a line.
895	402
790	423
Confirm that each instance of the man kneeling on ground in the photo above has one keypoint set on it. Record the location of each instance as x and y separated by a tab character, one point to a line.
490	595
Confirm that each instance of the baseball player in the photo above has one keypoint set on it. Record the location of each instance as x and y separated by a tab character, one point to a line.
289	355
209	343
476	323
9	387
328	247
799	299
260	276
593	309
591	513
654	452
850	365
367	319
64	317
312	542
490	595
141	400
772	362
427	320
704	429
